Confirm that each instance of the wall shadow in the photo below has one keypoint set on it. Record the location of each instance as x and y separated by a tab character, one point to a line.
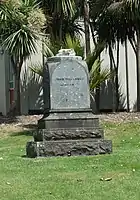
106	97
134	109
107	100
31	93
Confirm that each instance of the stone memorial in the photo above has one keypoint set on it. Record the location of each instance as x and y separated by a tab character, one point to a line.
68	126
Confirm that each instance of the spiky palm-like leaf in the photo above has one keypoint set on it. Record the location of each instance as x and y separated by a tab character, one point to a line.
59	7
98	75
18	35
95	54
51	48
21	43
37	69
20	27
74	43
63	17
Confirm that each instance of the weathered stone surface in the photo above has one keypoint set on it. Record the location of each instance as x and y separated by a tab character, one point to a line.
31	149
69	120
65	134
69	86
68	83
69	148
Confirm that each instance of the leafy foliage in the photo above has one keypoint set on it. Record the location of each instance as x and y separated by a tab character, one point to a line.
120	21
59	7
21	25
63	18
98	75
95	54
19	31
37	69
52	48
74	43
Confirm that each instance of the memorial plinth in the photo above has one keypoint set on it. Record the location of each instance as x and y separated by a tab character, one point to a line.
68	126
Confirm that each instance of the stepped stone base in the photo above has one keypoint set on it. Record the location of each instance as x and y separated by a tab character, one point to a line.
68	148
68	134
68	120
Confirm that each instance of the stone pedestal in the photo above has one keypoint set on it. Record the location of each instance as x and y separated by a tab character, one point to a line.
68	127
68	134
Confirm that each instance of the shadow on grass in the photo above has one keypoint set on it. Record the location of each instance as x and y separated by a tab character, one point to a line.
26	133
30	126
24	156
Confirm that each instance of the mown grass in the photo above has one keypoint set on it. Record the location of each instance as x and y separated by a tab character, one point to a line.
72	178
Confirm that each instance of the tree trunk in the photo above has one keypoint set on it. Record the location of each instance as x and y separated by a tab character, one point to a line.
117	78
17	86
127	78
61	30
97	95
97	99
86	25
43	51
93	36
117	90
112	80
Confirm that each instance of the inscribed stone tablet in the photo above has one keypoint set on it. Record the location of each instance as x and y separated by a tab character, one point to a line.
69	86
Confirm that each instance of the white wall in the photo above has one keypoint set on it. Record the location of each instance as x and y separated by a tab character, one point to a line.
31	84
31	98
4	82
122	74
106	100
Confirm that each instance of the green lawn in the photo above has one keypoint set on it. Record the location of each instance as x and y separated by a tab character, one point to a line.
73	178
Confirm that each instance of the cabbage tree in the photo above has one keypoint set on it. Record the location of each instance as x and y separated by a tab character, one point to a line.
121	22
62	17
21	23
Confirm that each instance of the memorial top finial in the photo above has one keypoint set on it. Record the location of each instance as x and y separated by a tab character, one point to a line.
66	52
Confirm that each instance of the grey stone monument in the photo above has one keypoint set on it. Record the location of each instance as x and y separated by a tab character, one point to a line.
68	127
